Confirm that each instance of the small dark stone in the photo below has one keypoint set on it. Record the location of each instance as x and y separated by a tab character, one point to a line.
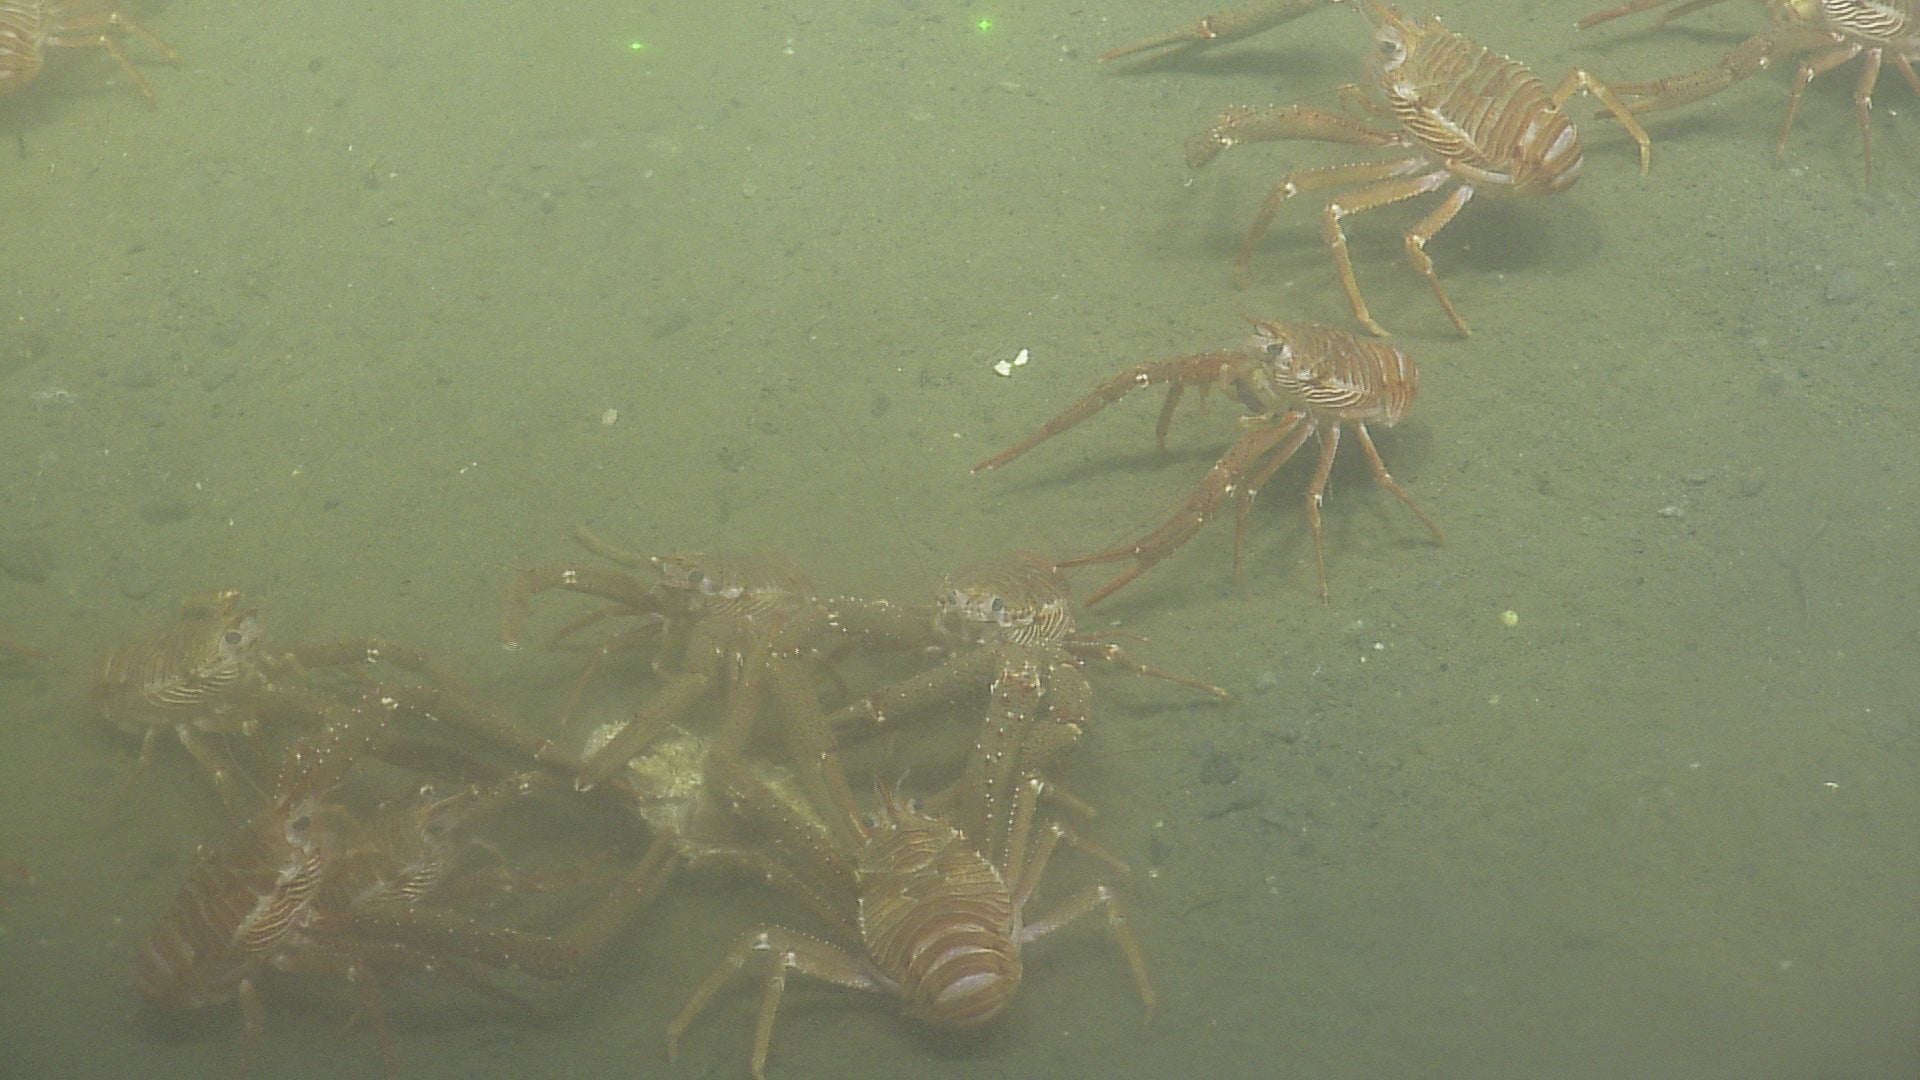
138	374
1242	800
219	375
165	509
672	324
882	405
156	862
1158	850
1219	768
136	582
26	558
1843	287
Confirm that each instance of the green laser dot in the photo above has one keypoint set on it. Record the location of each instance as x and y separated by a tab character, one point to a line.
983	25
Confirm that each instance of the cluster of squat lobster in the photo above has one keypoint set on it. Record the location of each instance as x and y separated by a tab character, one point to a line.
373	849
351	871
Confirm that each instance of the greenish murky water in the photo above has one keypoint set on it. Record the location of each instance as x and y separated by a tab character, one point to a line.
339	322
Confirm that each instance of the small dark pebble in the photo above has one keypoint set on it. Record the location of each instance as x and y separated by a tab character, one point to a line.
165	510
26	558
156	862
136	582
1843	287
1158	850
138	374
1246	800
219	375
672	324
1219	768
882	405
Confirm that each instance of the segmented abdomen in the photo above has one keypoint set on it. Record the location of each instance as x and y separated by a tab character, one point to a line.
1471	105
937	919
1335	374
1884	22
24	26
